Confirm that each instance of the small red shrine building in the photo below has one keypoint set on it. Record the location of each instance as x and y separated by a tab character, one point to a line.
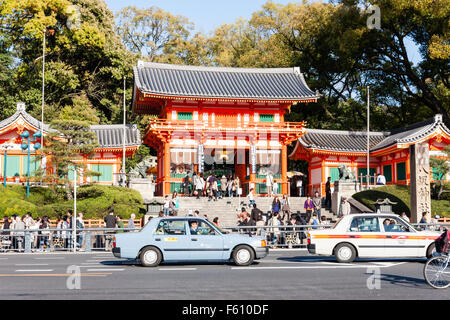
226	120
107	158
388	152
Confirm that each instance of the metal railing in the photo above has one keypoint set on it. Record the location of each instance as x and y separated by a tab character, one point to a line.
100	239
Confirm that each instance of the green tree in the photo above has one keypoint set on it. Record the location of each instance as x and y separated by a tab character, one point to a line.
154	33
441	168
84	56
69	140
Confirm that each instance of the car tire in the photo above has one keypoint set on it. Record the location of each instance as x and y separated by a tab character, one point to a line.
345	253
243	255
150	257
431	249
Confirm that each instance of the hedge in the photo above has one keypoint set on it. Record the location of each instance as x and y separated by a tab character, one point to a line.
94	201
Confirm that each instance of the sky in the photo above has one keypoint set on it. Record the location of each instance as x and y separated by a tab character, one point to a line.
207	15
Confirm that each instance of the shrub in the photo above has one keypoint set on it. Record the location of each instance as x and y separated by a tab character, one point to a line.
95	201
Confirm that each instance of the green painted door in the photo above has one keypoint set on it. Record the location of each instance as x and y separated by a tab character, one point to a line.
34	165
387	170
363	171
105	171
334	174
401	171
12	165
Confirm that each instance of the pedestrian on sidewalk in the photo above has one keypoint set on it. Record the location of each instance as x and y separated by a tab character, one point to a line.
131	222
328	193
269	183
251	198
317	201
285	207
110	222
309	207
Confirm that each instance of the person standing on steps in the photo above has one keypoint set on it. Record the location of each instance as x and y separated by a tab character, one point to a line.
328	193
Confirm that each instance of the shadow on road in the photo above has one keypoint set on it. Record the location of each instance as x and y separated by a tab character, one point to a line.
333	259
404	281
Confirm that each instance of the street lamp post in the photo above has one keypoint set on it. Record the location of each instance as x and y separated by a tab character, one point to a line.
26	147
5	147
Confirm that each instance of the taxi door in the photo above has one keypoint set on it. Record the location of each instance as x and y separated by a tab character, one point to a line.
400	241
171	237
365	234
205	242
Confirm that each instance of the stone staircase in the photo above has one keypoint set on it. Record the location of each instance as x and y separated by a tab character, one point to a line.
226	209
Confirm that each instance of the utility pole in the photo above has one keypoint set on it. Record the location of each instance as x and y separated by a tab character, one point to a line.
368	139
43	101
124	128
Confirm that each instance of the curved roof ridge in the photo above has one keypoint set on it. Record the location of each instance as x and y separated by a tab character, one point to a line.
168	66
335	131
21	112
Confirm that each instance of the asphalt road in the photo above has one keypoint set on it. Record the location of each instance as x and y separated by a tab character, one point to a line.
284	275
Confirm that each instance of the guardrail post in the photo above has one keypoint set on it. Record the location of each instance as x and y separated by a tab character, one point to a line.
27	242
87	242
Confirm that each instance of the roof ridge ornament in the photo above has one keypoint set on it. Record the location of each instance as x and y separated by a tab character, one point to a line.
20	107
297	70
438	118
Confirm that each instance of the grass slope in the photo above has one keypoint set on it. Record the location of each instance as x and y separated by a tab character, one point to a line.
400	194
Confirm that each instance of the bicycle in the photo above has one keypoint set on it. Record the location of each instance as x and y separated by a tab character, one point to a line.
437	271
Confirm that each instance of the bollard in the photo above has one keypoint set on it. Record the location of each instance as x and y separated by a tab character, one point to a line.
87	242
27	242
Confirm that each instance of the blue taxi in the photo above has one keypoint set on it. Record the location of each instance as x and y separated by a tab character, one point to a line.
176	239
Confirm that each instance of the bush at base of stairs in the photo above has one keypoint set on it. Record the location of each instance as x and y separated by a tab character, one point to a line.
94	201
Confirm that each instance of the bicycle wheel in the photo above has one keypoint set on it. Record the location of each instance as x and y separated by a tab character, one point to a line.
437	272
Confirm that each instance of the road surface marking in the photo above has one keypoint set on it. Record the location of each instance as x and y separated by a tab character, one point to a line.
97	266
176	269
90	270
55	275
34	270
346	266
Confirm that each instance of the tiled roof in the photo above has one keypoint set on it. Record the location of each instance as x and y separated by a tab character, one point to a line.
214	82
356	141
110	136
413	133
21	112
334	140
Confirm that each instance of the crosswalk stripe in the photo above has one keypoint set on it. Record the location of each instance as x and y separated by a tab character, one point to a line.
34	270
89	270
176	269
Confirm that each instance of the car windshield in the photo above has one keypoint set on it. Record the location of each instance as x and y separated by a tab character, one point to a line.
411	228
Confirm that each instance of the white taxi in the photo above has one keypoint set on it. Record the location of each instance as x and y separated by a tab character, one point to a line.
371	236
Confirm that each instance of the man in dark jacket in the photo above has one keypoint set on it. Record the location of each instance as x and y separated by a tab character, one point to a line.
110	221
255	212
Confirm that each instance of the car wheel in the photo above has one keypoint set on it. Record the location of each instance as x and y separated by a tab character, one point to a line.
243	256
431	250
345	253
150	257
